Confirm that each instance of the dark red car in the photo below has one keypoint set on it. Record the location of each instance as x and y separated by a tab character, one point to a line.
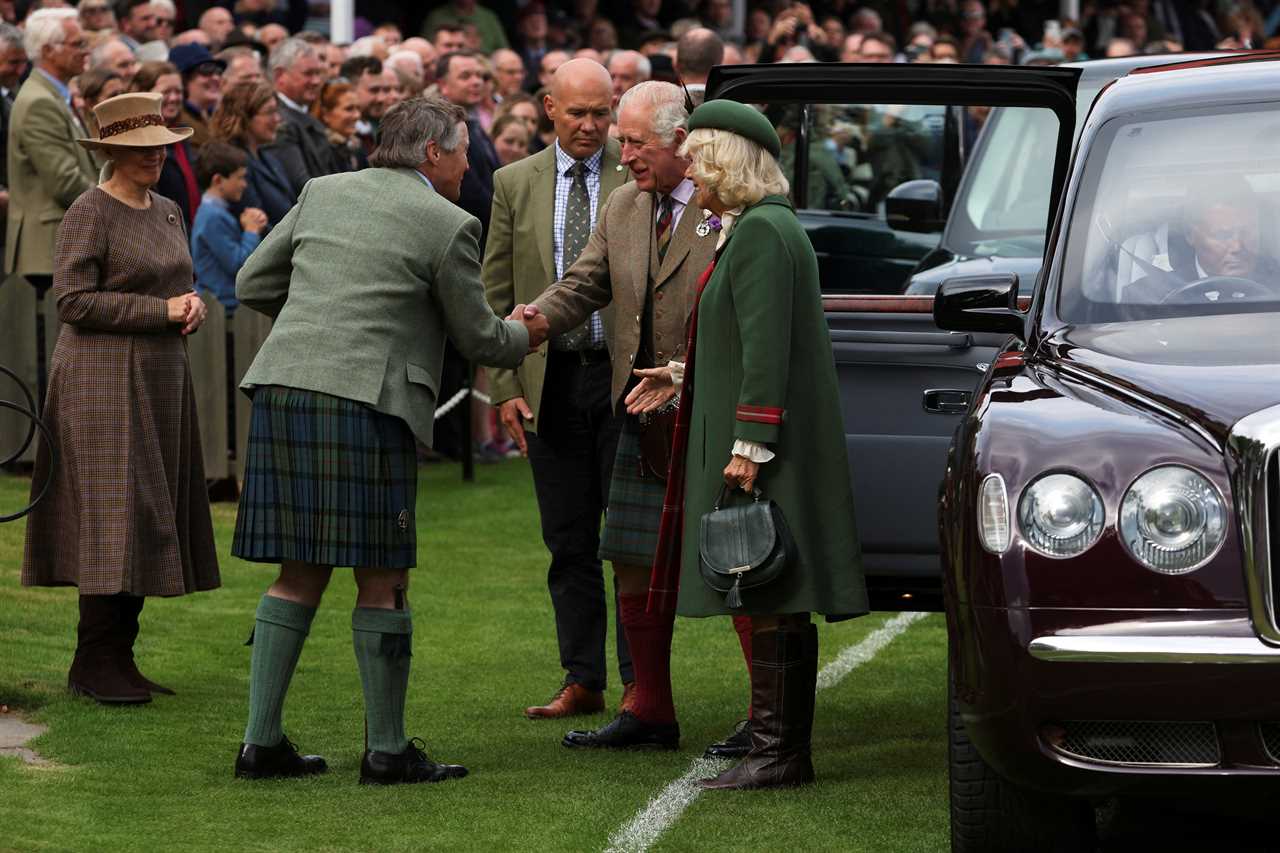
1111	508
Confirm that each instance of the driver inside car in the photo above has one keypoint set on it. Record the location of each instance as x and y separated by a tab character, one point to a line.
1217	254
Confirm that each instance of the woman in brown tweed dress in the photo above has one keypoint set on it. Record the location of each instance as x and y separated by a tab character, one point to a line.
128	515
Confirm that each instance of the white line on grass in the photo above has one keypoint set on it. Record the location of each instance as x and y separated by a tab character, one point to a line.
640	833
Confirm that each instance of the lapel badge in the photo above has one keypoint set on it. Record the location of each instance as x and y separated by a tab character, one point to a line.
173	220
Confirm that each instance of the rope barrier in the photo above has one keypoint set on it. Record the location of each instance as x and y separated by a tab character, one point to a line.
453	401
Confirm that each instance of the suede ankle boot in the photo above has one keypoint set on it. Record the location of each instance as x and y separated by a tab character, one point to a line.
96	671
129	608
784	674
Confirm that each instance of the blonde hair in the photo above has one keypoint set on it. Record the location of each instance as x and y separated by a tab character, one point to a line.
737	170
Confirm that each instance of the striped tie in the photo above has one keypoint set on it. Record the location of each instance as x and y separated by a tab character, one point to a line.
666	212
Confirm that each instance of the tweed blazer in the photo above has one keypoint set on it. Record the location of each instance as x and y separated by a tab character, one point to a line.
614	269
301	147
519	260
365	277
48	170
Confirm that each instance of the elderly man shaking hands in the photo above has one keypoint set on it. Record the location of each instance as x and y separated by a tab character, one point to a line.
365	277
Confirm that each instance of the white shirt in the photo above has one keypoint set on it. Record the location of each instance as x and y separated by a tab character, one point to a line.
290	103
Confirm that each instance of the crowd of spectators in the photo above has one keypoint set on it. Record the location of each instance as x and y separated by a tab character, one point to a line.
262	80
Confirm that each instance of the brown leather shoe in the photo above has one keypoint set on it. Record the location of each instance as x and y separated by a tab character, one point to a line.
571	700
628	697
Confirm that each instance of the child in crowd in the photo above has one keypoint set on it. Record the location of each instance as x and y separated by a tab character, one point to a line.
219	244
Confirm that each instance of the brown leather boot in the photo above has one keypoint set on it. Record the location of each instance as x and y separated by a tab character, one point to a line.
96	671
570	700
129	608
784	674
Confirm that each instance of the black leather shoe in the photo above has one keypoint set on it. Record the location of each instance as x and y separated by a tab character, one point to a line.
281	761
406	768
736	745
626	731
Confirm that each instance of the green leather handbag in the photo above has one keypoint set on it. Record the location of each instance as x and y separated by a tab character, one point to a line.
743	547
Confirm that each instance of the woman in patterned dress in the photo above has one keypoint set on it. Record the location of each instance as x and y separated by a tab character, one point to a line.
127	515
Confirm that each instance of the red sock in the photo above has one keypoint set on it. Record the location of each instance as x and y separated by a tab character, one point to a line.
742	624
649	636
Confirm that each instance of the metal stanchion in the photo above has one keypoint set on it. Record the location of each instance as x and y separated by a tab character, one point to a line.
468	460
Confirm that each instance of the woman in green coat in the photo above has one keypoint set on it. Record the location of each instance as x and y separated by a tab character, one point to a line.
766	414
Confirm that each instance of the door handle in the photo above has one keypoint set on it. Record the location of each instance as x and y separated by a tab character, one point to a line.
946	401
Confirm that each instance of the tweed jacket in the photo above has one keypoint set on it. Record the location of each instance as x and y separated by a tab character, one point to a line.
48	170
615	269
301	147
365	277
519	260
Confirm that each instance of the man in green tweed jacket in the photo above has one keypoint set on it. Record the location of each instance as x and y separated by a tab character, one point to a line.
365	278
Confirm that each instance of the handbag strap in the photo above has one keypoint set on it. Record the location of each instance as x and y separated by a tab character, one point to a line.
756	495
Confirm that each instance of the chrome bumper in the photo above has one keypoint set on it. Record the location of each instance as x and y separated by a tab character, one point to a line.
1198	641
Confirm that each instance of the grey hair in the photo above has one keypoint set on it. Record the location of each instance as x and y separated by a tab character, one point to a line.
98	56
667	101
366	45
10	36
408	127
167	5
288	52
44	27
644	68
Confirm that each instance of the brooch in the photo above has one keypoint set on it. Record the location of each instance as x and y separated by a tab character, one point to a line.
173	220
706	226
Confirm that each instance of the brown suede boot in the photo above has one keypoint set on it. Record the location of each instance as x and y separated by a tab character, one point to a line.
96	671
784	673
129	609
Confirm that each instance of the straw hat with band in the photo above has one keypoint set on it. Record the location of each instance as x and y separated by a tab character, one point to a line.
133	121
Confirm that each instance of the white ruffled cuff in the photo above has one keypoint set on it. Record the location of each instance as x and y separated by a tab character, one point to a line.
753	450
677	373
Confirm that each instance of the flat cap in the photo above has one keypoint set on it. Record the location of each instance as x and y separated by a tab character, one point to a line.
723	114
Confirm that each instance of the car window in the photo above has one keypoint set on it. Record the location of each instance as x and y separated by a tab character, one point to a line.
1177	215
857	153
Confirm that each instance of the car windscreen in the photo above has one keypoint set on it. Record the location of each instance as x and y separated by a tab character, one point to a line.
1177	214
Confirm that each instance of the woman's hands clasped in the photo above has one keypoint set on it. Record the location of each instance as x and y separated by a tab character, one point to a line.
188	309
655	390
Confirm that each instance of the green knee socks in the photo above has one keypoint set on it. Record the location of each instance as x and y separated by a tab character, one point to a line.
278	635
383	644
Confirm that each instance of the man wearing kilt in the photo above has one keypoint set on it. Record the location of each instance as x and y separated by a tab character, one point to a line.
365	277
643	258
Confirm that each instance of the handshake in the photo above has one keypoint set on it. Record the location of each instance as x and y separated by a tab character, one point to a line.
534	322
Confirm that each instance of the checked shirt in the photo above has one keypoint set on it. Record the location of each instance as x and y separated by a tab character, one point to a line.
571	228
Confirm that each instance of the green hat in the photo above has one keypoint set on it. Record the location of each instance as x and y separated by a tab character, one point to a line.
737	118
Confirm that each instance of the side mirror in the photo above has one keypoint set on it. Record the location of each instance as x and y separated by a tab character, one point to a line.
981	303
916	206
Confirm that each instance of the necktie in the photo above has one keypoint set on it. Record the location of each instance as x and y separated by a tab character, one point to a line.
577	229
665	215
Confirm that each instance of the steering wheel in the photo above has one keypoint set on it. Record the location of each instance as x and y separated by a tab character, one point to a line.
1203	286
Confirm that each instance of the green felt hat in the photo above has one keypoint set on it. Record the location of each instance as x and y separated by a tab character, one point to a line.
737	118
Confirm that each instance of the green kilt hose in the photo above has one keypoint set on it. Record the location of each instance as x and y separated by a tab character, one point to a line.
765	373
634	510
329	481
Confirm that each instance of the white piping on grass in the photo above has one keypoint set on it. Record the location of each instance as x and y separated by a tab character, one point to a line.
642	831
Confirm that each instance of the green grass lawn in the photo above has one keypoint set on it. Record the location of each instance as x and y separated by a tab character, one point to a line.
160	776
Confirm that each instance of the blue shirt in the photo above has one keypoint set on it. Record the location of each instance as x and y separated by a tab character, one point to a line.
218	249
63	89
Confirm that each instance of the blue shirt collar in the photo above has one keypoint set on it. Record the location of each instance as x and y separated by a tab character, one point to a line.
63	89
564	162
425	179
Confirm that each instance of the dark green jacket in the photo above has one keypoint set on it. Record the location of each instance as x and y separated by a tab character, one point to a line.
764	372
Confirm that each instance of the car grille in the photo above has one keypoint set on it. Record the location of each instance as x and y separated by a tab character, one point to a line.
1140	742
1254	449
1271	739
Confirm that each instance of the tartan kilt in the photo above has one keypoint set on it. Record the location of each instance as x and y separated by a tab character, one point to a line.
328	481
635	504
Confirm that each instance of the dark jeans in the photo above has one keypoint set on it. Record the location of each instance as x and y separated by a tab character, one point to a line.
572	461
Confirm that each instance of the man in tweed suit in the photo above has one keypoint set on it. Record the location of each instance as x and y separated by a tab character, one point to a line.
643	259
543	210
47	169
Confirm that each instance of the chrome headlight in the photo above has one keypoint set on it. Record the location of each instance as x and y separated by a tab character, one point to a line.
993	514
1172	520
1060	515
